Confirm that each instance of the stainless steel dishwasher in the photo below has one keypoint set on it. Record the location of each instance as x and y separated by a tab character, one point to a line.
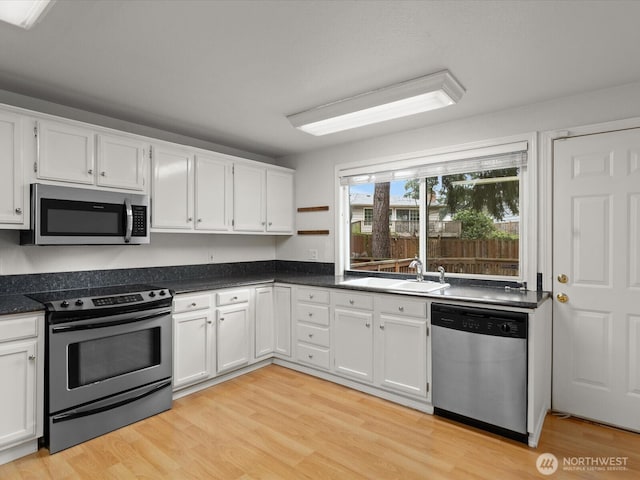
480	368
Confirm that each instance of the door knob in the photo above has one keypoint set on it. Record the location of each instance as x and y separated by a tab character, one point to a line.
562	297
562	278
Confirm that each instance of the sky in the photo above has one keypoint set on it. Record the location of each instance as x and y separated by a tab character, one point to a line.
397	188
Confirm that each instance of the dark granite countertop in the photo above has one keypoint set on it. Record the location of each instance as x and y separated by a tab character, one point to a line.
19	303
466	293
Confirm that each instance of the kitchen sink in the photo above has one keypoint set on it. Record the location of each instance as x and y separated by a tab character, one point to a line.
372	282
424	287
396	285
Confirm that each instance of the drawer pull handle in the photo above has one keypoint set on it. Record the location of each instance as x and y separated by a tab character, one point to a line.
401	309
310	355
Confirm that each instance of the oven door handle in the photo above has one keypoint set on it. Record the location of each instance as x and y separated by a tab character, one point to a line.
73	327
79	412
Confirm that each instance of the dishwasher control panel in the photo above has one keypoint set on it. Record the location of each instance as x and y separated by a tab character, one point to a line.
498	323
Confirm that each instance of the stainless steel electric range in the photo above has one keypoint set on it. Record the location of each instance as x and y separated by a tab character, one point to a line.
108	360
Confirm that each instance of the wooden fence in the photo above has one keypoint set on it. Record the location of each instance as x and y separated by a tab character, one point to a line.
486	257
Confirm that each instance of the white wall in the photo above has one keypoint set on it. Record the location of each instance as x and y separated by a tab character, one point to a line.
165	249
315	182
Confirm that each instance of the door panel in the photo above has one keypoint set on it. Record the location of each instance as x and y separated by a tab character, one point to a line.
596	230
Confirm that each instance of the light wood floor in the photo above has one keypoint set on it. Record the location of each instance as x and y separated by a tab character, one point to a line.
277	423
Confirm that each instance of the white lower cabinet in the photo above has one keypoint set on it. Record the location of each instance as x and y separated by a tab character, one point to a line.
401	344
312	327
232	331
264	322
21	377
194	340
282	320
353	335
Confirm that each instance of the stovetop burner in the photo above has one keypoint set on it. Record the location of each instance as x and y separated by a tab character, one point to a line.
110	298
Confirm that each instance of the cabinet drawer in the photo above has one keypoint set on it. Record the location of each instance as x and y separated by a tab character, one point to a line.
318	314
399	305
232	296
312	334
313	295
188	303
18	327
316	356
353	300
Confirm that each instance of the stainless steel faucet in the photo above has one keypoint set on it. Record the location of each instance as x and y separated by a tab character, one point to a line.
441	271
417	264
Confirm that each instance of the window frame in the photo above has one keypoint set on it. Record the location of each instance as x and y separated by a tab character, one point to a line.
528	237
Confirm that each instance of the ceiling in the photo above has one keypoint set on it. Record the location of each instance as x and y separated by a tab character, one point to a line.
230	71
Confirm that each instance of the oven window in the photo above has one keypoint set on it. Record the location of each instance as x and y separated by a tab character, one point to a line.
107	357
68	217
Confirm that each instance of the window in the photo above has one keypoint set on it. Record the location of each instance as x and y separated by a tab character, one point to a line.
464	214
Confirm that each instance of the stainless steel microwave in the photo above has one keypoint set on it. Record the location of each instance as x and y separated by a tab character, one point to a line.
79	216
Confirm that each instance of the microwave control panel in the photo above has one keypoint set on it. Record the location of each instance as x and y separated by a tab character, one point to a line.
139	221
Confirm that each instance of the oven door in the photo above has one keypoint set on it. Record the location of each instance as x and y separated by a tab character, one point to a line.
96	358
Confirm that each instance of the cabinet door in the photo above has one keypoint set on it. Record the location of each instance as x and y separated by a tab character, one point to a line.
232	337
402	354
214	193
282	309
192	347
353	343
121	162
18	399
65	152
249	197
279	201
172	189
264	331
11	173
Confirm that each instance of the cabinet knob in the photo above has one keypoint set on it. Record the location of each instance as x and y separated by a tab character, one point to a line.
194	304
367	324
262	223
32	357
19	211
199	220
103	174
351	302
233	299
270	224
401	309
222	319
190	219
310	355
209	322
310	314
311	335
310	297
90	171
381	327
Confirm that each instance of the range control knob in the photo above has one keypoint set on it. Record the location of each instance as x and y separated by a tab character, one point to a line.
505	328
152	294
79	302
64	304
162	293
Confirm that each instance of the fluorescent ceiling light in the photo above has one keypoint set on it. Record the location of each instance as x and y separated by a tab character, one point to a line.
22	13
400	100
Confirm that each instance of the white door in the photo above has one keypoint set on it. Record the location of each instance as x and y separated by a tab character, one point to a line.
353	343
65	152
596	266
192	347
264	331
172	189
279	201
232	339
249	198
214	193
121	162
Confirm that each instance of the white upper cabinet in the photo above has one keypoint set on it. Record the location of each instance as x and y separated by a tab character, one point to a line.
65	152
12	186
70	153
262	200
249	198
279	201
214	193
121	162
172	188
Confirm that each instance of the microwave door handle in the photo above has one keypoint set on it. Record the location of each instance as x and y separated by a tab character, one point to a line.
129	228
